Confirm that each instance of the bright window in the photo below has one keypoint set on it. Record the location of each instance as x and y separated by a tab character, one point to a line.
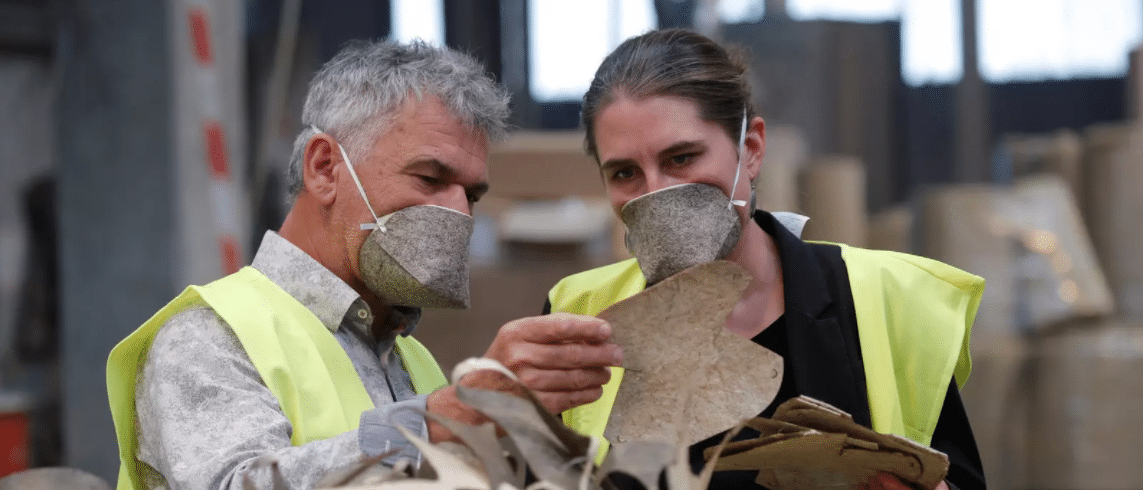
741	11
931	42
1055	39
844	9
1017	39
422	19
568	40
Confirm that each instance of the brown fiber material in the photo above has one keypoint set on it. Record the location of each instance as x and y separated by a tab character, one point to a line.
810	445
683	367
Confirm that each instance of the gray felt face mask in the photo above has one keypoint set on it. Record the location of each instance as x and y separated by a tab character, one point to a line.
416	256
680	226
684	225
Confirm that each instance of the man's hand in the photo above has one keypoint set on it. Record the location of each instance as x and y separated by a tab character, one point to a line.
886	481
561	357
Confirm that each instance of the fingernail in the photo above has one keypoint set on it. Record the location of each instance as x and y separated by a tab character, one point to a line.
616	355
605	329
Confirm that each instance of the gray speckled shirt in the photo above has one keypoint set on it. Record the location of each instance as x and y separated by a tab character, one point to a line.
204	415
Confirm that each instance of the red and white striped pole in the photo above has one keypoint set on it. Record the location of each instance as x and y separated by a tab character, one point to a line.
208	108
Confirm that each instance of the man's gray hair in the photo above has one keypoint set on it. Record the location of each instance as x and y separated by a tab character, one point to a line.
356	95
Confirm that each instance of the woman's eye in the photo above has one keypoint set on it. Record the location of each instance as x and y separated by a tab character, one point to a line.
682	159
622	174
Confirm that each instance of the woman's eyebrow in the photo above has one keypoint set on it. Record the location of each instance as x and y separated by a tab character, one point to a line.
681	147
668	151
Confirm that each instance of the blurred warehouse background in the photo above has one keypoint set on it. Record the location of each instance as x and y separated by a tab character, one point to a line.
144	144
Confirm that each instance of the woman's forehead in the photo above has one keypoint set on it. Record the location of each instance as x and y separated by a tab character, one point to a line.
660	119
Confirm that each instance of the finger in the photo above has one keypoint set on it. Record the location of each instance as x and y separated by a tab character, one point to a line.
522	357
561	356
561	328
559	401
488	379
564	379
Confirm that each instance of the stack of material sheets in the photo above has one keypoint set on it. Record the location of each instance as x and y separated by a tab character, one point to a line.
810	444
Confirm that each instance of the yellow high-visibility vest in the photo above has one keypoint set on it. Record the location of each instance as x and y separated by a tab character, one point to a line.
914	319
297	356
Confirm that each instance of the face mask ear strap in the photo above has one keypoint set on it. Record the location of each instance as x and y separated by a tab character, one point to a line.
738	168
364	226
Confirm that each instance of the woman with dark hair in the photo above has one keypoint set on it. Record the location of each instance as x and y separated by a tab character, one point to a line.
881	335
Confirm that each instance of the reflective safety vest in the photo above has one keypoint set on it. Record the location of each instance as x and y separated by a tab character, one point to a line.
914	318
296	355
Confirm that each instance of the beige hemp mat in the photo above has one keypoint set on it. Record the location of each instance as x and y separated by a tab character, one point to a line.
687	378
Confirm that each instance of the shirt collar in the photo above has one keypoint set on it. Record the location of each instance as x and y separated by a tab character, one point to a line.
803	282
329	298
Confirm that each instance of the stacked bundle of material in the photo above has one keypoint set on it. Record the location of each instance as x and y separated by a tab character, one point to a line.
1046	390
833	196
1084	430
1059	153
892	229
1112	207
811	444
777	182
1085	422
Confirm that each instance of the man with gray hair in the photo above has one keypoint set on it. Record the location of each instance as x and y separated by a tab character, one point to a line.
305	359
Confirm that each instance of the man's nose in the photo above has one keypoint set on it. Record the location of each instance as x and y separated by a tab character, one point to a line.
456	198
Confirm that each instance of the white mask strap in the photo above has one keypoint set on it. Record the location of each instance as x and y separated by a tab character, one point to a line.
738	169
364	226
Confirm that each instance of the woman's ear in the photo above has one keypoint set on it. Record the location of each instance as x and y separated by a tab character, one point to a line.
755	146
319	160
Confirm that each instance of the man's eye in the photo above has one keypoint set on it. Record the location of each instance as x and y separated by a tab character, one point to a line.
429	179
473	199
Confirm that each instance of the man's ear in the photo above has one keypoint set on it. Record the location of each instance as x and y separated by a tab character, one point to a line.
755	146
319	160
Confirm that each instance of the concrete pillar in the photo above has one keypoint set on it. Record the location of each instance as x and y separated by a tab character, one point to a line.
776	9
675	13
474	28
839	83
150	124
514	63
115	200
971	146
